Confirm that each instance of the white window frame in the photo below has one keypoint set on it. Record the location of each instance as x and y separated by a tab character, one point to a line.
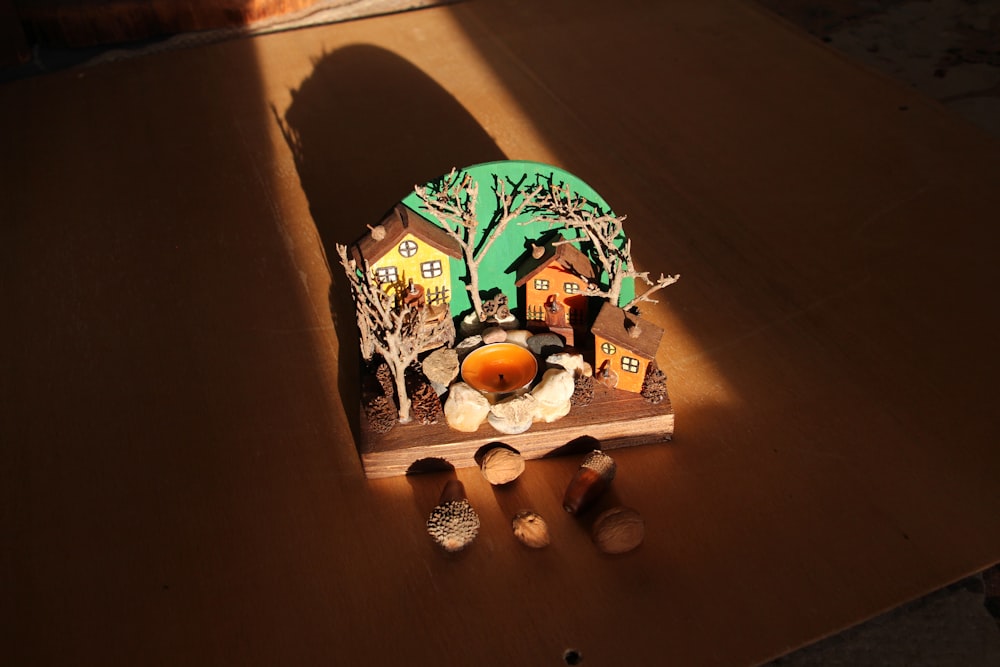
386	274
431	269
630	364
408	248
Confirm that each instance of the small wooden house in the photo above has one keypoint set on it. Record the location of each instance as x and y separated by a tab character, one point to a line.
625	344
555	279
410	255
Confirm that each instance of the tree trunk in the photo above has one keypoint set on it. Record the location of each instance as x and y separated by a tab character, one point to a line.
614	291
399	372
474	298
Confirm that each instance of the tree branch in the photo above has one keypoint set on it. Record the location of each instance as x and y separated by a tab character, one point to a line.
388	326
661	282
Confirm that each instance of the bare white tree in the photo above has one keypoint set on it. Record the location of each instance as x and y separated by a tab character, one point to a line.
397	332
453	204
611	249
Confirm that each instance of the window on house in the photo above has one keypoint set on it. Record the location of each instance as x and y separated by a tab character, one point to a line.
630	365
408	248
386	274
608	348
541	284
431	269
571	288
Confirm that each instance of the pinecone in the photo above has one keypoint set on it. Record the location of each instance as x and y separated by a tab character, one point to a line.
381	414
583	391
425	405
384	376
654	385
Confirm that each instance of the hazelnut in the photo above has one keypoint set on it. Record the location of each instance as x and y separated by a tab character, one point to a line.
618	530
501	465
531	530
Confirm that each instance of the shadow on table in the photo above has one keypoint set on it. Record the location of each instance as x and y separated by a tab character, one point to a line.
365	127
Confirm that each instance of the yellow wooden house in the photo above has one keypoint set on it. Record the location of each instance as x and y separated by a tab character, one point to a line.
409	256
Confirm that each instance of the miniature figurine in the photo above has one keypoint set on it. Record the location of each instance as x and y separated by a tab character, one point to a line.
624	344
396	332
555	278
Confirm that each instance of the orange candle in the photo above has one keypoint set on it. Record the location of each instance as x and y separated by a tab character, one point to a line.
499	368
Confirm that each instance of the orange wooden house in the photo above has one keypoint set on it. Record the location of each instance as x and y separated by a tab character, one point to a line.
624	346
555	279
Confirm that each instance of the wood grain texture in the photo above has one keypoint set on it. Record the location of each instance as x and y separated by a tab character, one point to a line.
614	419
179	481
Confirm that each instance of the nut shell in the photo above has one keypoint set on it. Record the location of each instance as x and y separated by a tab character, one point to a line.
531	530
501	465
618	530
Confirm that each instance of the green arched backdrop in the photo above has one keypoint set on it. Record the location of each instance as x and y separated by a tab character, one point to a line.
497	268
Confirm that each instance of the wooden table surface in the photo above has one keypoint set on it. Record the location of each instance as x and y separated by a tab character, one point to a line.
180	483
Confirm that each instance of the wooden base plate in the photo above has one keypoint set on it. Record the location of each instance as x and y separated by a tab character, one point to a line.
614	418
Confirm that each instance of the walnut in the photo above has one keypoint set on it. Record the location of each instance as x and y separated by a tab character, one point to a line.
618	530
502	465
531	530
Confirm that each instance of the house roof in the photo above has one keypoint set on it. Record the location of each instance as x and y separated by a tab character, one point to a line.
615	325
400	221
566	254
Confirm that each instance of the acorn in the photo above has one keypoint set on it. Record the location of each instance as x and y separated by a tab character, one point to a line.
453	523
591	480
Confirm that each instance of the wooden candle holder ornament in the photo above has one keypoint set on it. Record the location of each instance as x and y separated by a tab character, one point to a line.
526	299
